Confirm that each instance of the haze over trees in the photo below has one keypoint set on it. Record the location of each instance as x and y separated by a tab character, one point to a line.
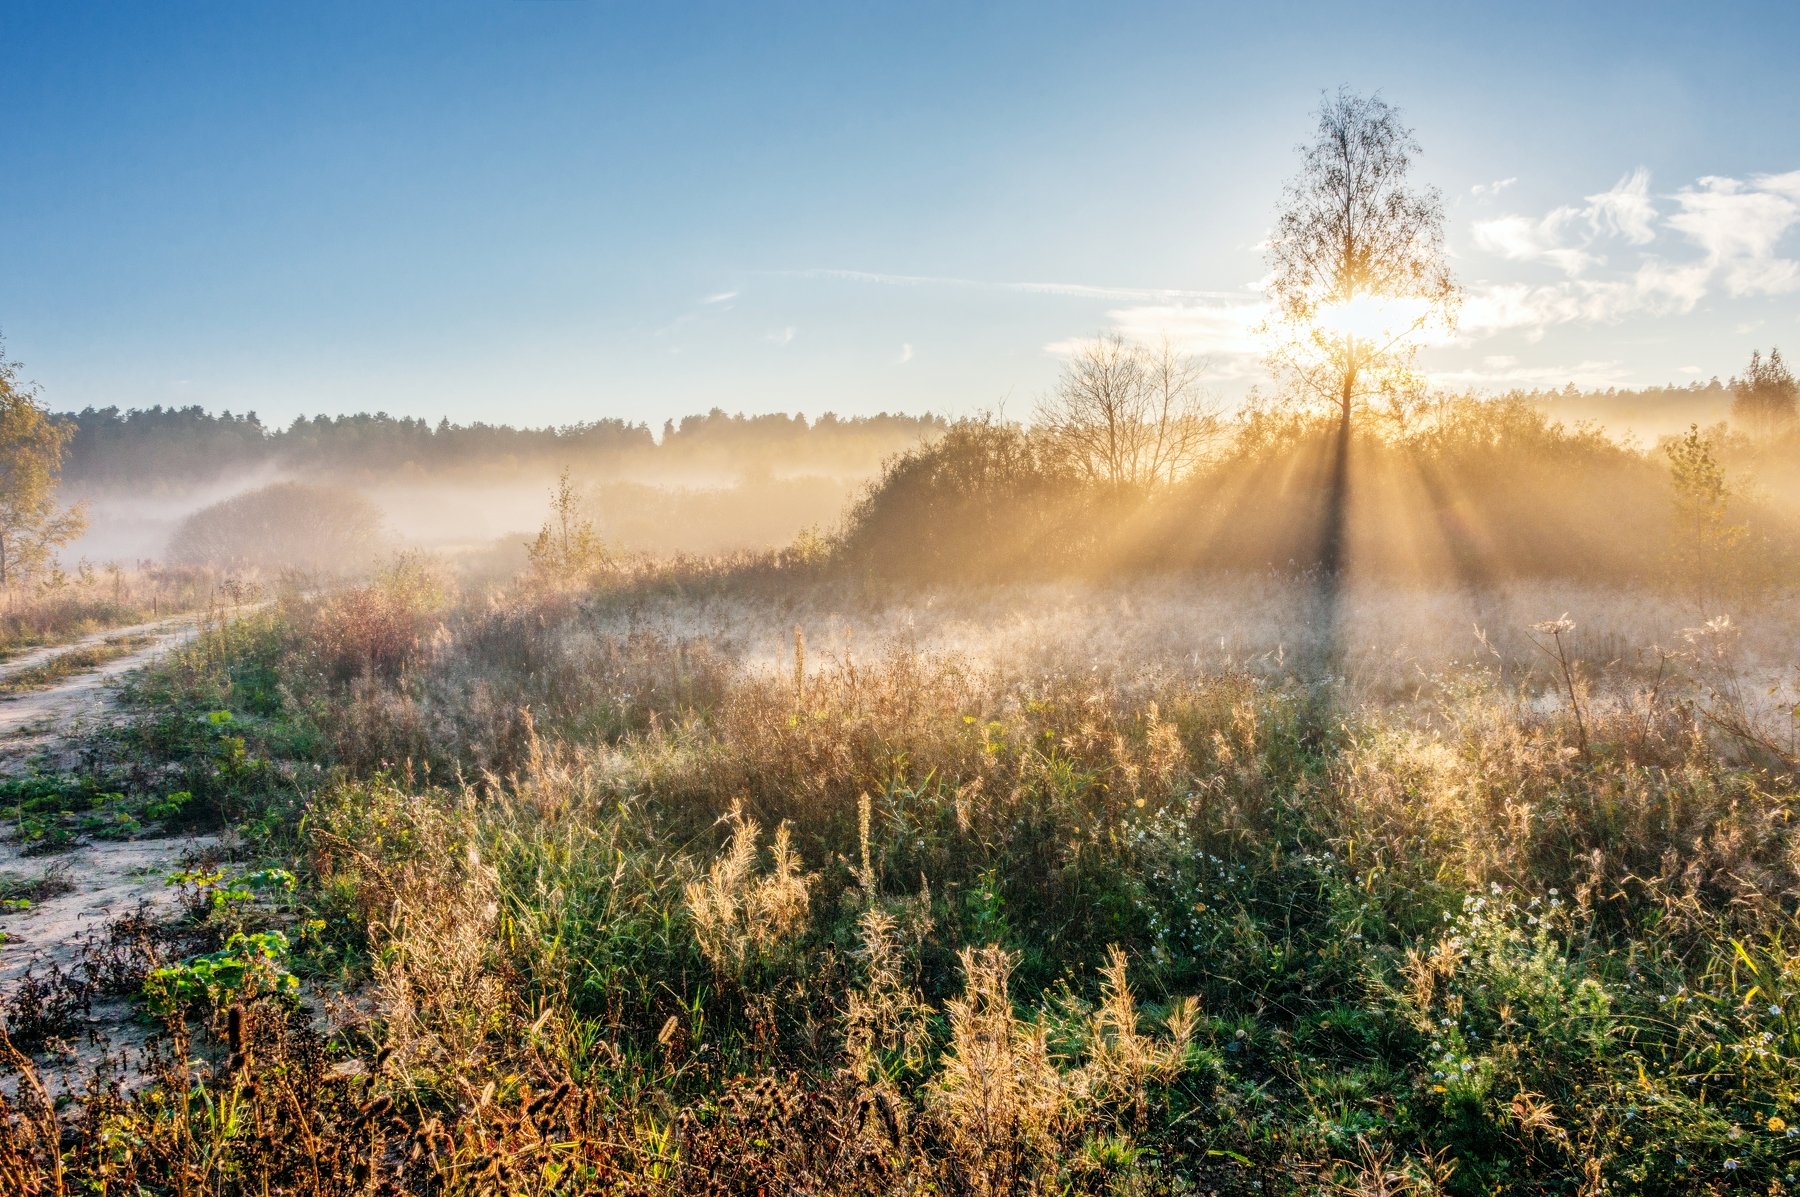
326	529
1765	399
178	449
1128	416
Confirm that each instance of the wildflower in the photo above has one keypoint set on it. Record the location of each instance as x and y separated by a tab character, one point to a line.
1777	1124
1775	1010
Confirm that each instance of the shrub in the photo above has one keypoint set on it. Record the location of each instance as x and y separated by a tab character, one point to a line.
985	502
315	529
380	627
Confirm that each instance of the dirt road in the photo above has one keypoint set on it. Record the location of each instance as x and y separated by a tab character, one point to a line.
78	891
55	715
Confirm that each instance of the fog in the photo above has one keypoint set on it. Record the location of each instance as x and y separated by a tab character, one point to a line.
710	485
696	512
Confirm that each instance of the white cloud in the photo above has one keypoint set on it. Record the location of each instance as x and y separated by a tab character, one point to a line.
1565	237
1494	188
1626	210
906	354
781	338
1225	333
1787	184
1521	239
720	297
1653	289
1739	226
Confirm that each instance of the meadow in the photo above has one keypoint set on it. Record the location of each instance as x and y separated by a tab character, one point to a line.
880	865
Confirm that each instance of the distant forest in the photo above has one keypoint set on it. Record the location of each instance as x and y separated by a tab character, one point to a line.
175	449
1648	412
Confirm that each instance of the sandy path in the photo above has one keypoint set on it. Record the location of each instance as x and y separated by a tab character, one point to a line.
37	656
106	878
110	878
58	714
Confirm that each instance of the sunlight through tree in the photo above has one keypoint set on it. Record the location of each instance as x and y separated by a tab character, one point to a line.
1357	268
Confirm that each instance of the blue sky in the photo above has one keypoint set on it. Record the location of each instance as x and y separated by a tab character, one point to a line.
545	211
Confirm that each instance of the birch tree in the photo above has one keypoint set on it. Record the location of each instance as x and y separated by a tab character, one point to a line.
1357	266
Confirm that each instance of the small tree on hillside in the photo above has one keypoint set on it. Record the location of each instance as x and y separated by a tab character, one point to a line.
567	547
1129	416
1765	399
1702	544
32	525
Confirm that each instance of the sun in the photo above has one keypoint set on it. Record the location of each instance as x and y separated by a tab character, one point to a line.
1372	319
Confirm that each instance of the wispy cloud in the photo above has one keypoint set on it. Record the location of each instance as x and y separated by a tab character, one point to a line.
1624	211
906	354
717	301
1522	239
1072	290
1654	289
1566	236
1224	333
781	338
1738	225
1484	190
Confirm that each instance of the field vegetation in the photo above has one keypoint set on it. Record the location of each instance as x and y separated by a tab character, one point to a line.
848	869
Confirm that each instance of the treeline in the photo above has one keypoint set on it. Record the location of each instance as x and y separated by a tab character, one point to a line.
1444	488
1476	491
174	449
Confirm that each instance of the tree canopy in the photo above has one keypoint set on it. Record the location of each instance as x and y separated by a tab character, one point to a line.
32	524
1765	398
1357	264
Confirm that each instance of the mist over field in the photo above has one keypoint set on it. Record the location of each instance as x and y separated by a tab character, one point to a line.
712	483
689	494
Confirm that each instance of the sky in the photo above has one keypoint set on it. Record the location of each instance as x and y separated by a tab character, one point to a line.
551	211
